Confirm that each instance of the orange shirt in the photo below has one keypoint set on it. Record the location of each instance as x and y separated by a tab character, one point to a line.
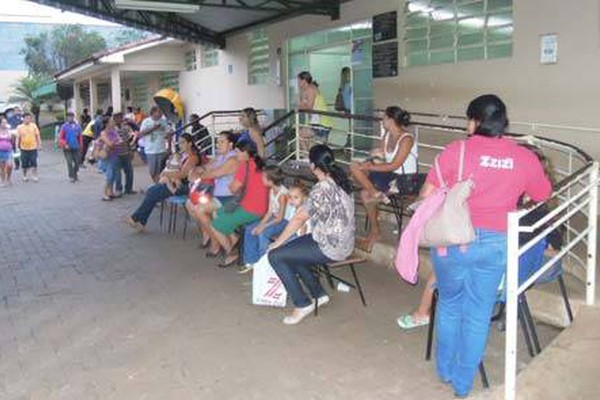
28	136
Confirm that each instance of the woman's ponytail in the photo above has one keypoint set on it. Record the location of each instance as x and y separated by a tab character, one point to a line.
322	158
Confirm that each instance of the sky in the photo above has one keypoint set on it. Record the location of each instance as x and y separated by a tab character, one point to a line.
27	11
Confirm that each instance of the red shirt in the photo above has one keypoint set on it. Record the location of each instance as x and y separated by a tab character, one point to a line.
502	171
256	200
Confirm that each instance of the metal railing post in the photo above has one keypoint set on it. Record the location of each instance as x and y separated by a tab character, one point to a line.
214	133
590	295
512	288
297	123
351	128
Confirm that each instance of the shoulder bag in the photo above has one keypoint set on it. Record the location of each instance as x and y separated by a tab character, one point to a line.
450	224
236	201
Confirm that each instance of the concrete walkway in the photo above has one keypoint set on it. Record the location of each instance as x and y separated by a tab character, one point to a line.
91	310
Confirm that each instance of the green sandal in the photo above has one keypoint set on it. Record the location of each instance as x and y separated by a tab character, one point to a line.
409	322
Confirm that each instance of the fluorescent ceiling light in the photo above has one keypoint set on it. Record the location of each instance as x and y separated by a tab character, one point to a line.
156	6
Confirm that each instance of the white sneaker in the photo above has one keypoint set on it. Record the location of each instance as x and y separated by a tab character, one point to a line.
323	300
25	179
299	314
36	179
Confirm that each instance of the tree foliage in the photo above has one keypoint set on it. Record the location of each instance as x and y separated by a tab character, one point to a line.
24	92
50	52
128	35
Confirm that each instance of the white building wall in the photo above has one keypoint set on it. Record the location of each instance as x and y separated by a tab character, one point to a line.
563	94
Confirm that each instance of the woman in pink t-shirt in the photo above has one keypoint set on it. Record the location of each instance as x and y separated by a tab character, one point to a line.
468	279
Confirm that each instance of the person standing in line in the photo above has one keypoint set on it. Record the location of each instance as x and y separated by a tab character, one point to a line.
88	137
343	101
71	141
311	99
156	133
29	142
85	118
6	153
129	115
139	116
15	118
123	150
468	276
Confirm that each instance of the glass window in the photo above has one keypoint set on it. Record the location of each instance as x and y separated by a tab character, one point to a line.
169	80
258	63
190	60
209	56
449	31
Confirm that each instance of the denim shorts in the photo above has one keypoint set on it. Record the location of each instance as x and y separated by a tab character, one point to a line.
6	156
382	180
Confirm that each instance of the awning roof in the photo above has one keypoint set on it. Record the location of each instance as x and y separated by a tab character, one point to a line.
215	20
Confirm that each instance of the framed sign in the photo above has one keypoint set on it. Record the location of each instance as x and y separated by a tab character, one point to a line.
549	48
385	26
385	60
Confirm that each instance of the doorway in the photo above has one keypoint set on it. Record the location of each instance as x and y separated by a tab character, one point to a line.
324	54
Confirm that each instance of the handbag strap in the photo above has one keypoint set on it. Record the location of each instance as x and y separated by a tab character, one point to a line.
461	165
461	161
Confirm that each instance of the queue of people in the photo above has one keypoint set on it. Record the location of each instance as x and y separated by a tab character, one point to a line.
467	277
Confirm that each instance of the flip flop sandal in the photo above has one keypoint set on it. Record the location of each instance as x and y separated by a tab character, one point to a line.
229	262
364	244
409	322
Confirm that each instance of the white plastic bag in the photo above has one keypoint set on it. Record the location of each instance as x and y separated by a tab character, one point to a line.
267	288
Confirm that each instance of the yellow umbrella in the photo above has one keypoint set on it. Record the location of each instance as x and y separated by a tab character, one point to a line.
169	101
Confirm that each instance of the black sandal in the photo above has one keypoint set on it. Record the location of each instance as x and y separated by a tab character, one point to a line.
230	262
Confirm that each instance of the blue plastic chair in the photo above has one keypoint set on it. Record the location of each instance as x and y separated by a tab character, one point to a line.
174	203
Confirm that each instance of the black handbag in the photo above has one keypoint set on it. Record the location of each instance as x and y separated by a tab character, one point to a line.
410	184
339	101
236	201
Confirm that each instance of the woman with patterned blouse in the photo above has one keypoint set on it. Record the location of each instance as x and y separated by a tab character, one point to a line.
330	209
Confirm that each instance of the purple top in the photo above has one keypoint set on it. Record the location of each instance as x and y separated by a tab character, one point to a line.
113	136
5	140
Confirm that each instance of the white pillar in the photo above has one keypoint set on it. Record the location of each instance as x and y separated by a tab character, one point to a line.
115	86
76	98
93	99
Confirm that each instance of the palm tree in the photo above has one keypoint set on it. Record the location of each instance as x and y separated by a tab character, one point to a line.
24	92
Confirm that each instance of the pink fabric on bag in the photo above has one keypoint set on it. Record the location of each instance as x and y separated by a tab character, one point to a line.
407	255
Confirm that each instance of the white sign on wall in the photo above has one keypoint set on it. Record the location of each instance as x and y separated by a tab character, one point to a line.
549	49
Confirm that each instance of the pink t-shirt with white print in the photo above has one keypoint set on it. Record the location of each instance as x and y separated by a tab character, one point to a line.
502	171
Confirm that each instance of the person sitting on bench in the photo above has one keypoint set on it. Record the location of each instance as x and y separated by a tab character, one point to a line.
330	209
398	155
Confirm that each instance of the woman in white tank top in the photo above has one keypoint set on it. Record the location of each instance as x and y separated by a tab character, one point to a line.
398	154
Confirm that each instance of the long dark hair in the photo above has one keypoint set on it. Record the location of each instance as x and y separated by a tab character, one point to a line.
252	115
307	77
190	139
322	158
490	112
400	116
250	149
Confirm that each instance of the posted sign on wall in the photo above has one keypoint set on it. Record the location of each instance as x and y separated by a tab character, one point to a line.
385	45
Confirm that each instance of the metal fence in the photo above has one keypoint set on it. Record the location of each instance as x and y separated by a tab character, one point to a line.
575	195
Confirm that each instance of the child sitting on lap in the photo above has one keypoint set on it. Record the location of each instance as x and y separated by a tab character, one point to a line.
258	236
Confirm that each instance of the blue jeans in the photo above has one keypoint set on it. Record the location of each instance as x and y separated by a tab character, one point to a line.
293	262
156	193
468	281
256	246
124	165
110	170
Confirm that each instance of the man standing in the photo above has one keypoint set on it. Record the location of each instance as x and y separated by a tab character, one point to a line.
71	141
85	118
123	149
156	133
29	141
